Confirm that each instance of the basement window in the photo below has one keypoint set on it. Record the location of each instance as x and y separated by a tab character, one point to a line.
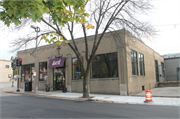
142	87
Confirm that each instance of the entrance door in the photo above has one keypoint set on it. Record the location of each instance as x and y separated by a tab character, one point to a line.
58	78
58	82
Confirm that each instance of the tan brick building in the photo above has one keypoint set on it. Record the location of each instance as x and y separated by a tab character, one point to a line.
123	65
5	70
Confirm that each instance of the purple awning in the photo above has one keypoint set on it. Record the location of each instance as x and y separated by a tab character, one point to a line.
58	62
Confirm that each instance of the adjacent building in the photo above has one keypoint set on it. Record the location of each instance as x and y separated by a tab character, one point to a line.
5	70
171	55
172	66
123	65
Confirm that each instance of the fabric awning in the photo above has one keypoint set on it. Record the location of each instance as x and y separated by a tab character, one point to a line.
58	62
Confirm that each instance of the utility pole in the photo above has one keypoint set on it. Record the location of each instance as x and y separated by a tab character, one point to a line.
37	29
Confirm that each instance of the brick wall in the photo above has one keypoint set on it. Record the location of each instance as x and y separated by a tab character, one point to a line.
125	83
136	82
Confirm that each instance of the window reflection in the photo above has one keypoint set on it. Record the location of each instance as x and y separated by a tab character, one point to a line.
104	66
141	62
134	61
42	71
77	74
27	72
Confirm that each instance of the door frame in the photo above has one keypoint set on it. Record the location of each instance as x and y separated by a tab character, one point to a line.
55	78
57	82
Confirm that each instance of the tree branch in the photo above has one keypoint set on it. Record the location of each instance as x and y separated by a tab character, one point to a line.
58	28
86	43
108	24
49	24
97	26
72	37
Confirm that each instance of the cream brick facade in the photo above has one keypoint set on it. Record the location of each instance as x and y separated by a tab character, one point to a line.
5	70
110	43
135	83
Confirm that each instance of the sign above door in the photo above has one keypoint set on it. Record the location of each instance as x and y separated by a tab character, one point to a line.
58	62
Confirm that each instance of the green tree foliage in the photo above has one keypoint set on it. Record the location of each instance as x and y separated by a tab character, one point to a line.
16	10
61	11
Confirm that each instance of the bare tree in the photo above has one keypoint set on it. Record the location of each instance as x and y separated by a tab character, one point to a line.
106	15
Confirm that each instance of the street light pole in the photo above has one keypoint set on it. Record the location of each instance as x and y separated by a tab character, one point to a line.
37	29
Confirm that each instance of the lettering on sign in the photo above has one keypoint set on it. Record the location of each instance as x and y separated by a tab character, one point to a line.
56	62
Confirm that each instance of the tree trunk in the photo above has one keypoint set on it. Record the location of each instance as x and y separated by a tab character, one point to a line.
86	83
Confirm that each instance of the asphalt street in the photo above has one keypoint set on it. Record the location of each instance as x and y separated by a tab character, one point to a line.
23	106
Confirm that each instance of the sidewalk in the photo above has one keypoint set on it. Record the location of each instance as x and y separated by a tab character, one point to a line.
139	99
173	92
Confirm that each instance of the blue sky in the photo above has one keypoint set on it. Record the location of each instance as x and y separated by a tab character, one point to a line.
165	18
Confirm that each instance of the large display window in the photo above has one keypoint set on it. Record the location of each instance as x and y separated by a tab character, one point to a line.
27	72
42	71
77	74
104	66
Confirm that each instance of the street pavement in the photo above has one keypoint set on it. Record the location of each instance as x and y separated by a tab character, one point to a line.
36	107
163	96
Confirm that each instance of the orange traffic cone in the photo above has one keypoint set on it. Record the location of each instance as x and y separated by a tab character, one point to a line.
148	96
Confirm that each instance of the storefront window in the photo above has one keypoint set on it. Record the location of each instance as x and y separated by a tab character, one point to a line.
77	74
104	66
27	72
42	71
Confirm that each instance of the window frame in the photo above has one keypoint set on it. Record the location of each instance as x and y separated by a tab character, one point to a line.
39	71
103	61
81	75
31	65
143	70
134	62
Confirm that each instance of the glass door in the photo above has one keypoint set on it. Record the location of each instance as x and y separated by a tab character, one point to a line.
58	78
59	82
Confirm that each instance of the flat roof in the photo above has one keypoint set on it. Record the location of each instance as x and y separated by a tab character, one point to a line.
171	58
